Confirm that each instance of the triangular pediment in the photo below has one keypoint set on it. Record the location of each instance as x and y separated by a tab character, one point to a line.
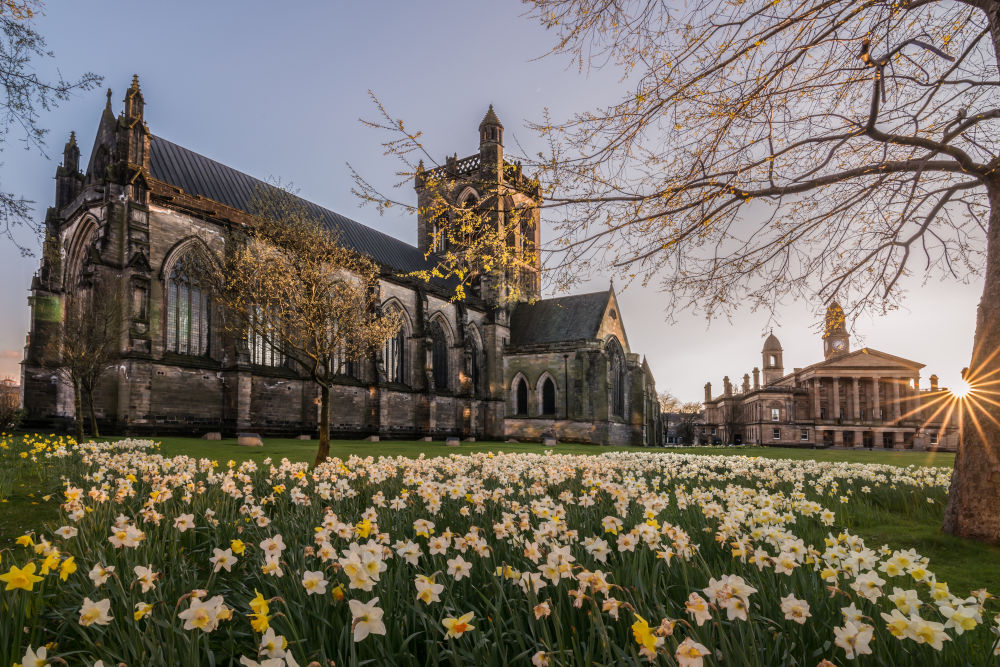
867	358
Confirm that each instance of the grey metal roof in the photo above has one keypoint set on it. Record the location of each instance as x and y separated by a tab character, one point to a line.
566	318
198	175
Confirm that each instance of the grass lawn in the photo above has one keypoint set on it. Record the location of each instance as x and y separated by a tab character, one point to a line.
964	565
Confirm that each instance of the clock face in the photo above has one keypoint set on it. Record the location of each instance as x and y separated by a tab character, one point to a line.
839	344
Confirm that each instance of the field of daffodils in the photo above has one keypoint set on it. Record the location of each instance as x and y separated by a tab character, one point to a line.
488	559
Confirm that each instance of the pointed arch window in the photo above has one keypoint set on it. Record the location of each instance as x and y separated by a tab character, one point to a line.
439	232
439	356
188	310
521	396
265	348
476	367
548	397
394	357
616	377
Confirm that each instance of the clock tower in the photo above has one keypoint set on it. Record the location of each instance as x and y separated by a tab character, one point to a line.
836	340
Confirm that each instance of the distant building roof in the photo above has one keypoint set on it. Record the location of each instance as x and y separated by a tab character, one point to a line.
562	319
198	175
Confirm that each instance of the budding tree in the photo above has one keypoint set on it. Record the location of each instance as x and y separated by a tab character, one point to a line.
89	342
292	284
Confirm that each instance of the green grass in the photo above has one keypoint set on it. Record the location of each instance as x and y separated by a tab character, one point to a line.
964	564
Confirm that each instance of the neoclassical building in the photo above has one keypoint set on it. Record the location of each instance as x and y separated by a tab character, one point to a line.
859	398
478	368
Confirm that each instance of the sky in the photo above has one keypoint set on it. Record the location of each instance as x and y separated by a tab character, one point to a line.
278	93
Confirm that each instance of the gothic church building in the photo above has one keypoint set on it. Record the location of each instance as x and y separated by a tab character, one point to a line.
477	368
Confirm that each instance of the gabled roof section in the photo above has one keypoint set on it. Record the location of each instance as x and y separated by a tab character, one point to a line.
562	319
196	174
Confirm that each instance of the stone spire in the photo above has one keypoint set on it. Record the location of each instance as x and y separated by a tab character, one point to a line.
491	129
134	102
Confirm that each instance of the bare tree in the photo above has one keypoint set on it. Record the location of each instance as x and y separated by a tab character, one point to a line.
94	321
292	284
819	149
25	96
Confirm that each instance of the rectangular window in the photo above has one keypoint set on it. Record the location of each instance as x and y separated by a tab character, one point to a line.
713	431
805	434
775	414
934	438
776	433
822	413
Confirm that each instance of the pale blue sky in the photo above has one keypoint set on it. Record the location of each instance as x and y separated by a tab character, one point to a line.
277	92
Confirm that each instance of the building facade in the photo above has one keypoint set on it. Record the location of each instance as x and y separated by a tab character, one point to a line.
861	398
476	368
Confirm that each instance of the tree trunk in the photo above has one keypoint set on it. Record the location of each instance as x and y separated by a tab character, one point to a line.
973	509
324	424
78	410
93	415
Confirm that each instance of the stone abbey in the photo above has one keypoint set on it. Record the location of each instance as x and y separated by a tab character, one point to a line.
481	367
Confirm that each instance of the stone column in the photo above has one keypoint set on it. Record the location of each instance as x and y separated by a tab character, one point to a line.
816	398
856	398
838	438
859	438
876	407
895	400
836	398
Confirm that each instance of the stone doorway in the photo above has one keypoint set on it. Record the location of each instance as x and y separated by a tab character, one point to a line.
888	440
848	438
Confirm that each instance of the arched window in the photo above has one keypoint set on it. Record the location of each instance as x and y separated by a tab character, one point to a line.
395	357
616	377
476	363
548	397
439	231
521	396
265	349
188	310
439	356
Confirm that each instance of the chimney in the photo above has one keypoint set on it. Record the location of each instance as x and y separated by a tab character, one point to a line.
934	383
756	378
727	386
746	383
708	392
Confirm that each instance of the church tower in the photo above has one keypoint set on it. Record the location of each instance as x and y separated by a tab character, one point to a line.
836	340
773	365
484	189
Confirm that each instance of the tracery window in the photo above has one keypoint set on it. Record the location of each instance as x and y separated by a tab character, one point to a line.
616	377
394	357
188	310
476	368
439	356
265	349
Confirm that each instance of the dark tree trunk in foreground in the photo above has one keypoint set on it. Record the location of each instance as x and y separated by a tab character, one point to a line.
93	415
323	453
973	509
78	410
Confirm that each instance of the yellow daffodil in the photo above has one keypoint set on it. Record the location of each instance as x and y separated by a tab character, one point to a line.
21	577
67	568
